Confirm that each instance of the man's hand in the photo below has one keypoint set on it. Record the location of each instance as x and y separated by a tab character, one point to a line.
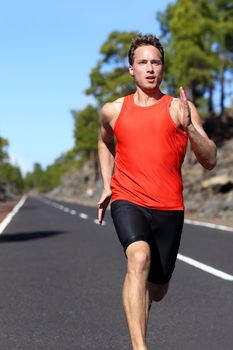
103	203
184	110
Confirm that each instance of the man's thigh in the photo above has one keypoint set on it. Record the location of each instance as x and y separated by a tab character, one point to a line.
131	222
167	229
160	229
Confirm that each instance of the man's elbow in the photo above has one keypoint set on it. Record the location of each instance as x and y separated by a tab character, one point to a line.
211	163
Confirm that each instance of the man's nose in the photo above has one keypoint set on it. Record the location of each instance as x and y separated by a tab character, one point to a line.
149	67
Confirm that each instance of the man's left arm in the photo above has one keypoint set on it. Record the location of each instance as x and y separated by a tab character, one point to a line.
204	149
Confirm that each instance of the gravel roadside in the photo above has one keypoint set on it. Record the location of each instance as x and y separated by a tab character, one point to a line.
7	206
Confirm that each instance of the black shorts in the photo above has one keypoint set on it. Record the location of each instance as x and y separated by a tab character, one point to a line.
160	229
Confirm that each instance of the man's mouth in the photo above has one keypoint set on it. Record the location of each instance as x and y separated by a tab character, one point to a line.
150	78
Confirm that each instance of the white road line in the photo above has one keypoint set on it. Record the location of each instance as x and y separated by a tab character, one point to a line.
83	215
55	205
208	224
10	216
186	259
206	268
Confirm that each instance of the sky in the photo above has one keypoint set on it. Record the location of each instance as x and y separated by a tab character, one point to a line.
48	49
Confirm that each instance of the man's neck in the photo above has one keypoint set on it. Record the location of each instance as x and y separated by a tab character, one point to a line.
143	98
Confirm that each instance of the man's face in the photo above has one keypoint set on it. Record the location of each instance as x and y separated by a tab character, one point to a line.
147	68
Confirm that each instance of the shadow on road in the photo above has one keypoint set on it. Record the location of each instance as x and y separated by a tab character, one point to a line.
26	236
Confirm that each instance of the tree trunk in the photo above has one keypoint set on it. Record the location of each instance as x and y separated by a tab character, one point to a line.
210	100
222	89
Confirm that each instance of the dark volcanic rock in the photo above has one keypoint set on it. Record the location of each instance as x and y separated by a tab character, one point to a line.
209	194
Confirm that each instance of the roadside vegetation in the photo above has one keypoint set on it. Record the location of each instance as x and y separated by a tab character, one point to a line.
198	41
11	179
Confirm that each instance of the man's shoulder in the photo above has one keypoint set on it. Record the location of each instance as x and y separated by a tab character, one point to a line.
113	104
110	110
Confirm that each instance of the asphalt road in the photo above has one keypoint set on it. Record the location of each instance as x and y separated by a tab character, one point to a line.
61	276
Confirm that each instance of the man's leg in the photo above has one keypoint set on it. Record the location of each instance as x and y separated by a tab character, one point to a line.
167	229
135	292
157	291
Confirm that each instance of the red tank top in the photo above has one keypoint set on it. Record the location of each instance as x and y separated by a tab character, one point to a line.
150	151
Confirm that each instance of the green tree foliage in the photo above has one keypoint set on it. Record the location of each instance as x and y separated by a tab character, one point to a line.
86	135
198	40
45	180
194	33
190	62
222	33
38	177
11	180
86	130
3	152
110	78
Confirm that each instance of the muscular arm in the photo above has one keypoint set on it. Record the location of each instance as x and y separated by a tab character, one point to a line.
106	153
204	149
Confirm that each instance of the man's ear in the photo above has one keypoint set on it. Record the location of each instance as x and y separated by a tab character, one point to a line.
131	70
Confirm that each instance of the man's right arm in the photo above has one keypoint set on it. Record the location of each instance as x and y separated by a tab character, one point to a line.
106	153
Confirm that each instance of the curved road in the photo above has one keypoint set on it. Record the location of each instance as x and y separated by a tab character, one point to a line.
61	278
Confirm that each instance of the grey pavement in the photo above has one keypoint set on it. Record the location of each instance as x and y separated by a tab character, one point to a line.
61	276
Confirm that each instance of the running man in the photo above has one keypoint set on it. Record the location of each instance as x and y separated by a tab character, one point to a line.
142	144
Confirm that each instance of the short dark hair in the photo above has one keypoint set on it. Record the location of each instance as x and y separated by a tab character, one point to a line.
143	40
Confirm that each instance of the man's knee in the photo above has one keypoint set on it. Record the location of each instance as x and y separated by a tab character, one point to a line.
157	291
138	254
